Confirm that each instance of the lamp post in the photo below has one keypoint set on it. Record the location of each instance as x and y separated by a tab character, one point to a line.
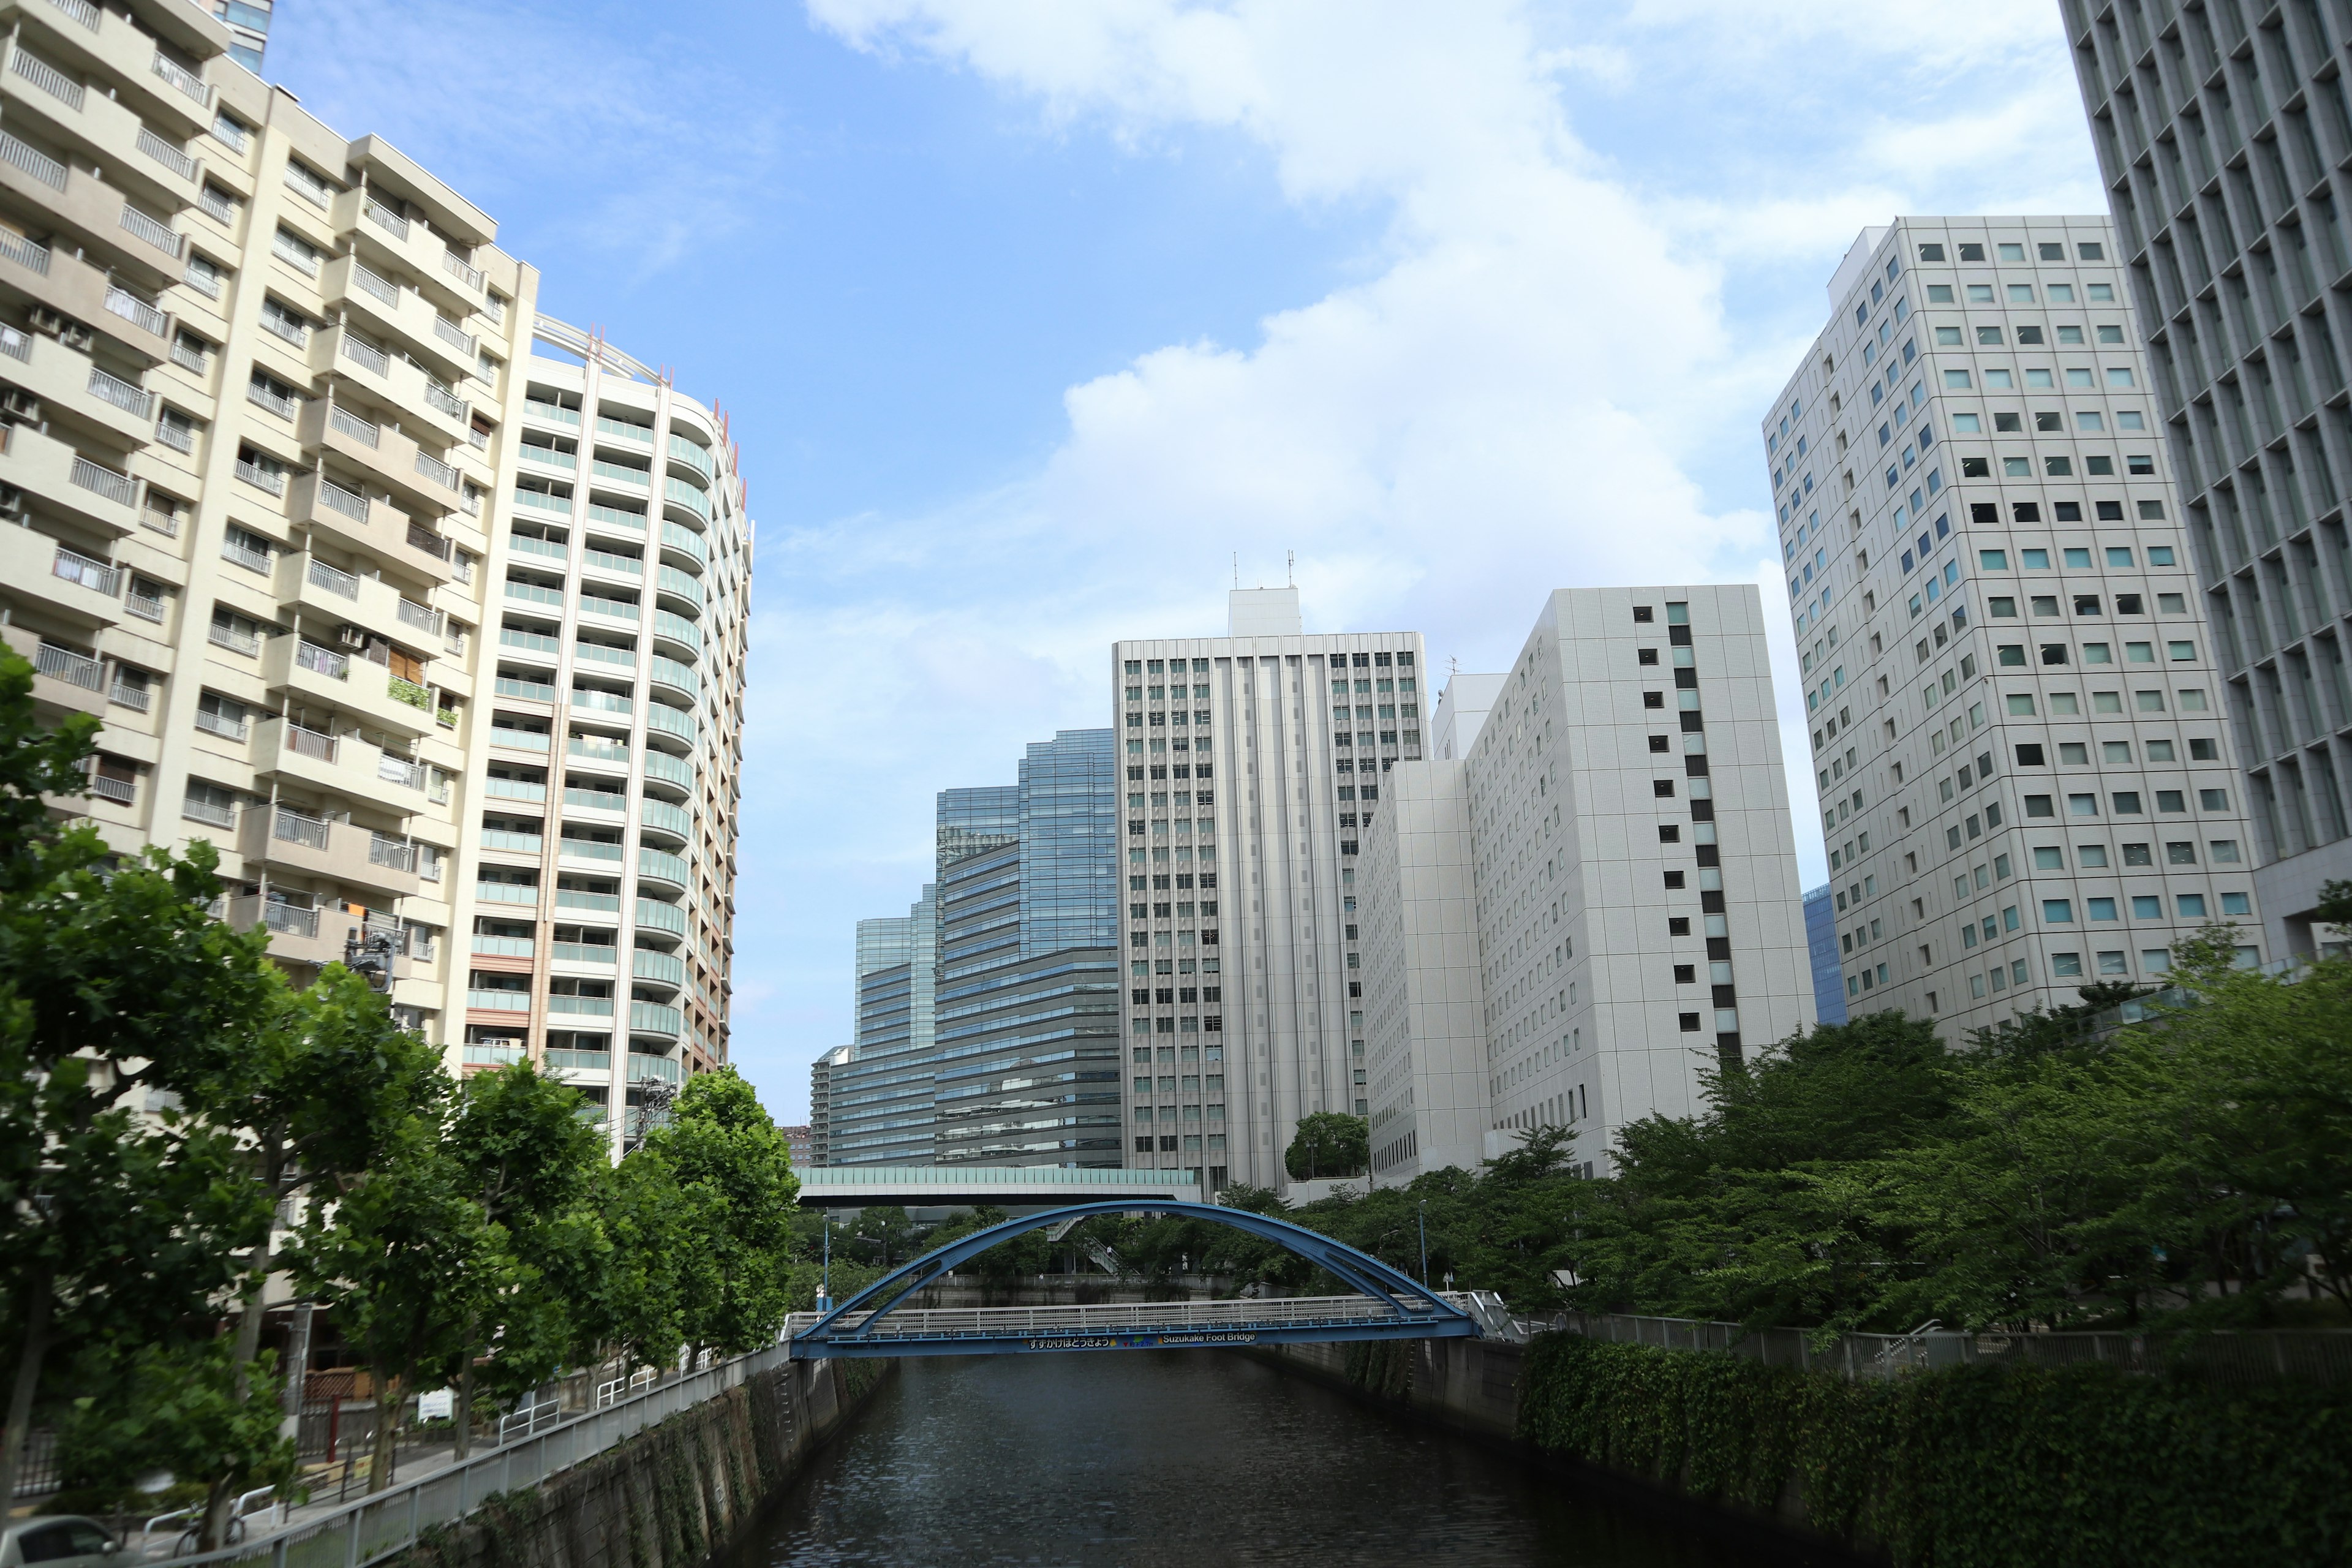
1422	1220
825	1288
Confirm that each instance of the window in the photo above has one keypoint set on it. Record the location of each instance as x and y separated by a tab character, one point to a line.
2082	806
1947	337
2099	909
2066	963
1956	379
2118	375
2160	555
1939	293
2191	906
2214	800
2049	858
2021	293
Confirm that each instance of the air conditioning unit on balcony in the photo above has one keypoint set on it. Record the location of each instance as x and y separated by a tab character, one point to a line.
350	636
19	408
74	335
44	319
12	503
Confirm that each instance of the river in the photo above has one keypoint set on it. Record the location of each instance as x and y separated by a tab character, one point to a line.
1138	1458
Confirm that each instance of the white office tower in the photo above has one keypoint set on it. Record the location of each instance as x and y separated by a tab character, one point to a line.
2026	781
1634	880
1248	761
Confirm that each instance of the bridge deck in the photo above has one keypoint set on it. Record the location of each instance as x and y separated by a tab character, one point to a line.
1128	1325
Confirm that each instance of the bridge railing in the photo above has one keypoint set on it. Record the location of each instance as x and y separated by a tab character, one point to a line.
1113	1317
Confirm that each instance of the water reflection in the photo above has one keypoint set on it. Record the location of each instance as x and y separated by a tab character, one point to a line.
1140	1458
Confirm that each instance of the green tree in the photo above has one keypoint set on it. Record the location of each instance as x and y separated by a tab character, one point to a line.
192	1409
1328	1143
732	1169
639	1308
534	1168
886	1232
404	1256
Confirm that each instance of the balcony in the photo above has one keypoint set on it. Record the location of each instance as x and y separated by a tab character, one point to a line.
297	935
652	1018
610	609
661	968
342	850
418	481
62	579
676	584
76	395
660	817
407	318
90	492
663	768
667	720
676	492
679	678
88	37
677	629
655	866
576	801
335	681
579	1006
684	542
663	1069
403	245
368	523
654	915
101	127
72	287
423	400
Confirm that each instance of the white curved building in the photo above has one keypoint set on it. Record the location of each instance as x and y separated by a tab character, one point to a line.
601	841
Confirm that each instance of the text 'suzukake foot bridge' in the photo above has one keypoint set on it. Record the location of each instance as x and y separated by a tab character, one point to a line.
1389	1305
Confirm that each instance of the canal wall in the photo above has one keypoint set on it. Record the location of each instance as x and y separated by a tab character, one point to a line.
1993	1468
672	1496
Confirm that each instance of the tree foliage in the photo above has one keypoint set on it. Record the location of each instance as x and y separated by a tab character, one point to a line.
1328	1143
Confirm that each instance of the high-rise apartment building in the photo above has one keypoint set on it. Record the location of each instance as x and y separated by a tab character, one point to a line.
2220	129
1250	763
267	393
2026	781
247	22
821	1103
1619	837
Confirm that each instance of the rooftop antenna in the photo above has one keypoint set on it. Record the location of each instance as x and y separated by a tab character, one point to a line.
1237	568
1290	568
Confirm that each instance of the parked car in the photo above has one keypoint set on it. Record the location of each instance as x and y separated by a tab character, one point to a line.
61	1542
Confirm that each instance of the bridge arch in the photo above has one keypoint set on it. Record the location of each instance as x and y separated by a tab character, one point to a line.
1413	1306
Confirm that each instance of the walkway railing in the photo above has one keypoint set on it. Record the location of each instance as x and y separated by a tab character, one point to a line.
2233	1359
375	1527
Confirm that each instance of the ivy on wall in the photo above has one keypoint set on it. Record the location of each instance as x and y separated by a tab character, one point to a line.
1967	1467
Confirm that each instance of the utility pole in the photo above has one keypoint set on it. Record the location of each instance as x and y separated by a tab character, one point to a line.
824	1290
1422	1219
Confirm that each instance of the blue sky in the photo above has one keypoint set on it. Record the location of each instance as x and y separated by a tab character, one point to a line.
1032	315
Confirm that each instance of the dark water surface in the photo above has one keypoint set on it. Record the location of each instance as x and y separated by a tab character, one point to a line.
1193	1457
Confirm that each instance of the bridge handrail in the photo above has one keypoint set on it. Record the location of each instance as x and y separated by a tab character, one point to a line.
948	1323
1404	1297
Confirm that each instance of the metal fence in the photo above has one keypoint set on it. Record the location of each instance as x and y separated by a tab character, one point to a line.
375	1527
1116	1317
2230	1359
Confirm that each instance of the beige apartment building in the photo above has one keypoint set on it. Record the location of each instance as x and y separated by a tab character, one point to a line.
427	611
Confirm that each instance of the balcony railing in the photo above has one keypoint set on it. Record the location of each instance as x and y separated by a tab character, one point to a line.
672	770
253	558
684	584
113	390
367	354
153	229
624	430
385	219
676	536
655	915
492	1053
163	153
176	434
574	899
535	642
528	690
212	812
231	134
455	336
507	892
294	827
554	412
550	456
349	502
276	401
16	345
500	1000
616	517
601	702
214	722
25	253
365	432
325	661
623	473
600	653
218	204
528	544
444	399
665	817
296	252
383	288
189	354
107	787
660	864
119	489
73	668
596	799
202	276
641	1065
542	500
582	1007
517	739
394	854
684	451
48	77
622	609
677	628
400	771
287	327
270	479
75	567
32	161
235	641
597	750
146	606
535	593
459	267
580	1061
308	185
670	721
133	309
334	581
504	946
290	920
316	745
689	496
422	538
629	565
433	469
647	964
81	11
423	617
671	673
181	76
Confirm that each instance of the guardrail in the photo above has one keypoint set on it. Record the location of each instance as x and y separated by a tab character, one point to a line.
375	1527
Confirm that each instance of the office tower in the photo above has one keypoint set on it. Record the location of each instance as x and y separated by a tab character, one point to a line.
1633	879
1028	1007
2219	143
263	390
1821	948
624	571
2025	780
1248	762
247	22
821	1104
881	1094
1461	708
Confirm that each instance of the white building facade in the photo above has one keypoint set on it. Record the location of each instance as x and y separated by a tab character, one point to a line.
1249	764
2026	778
1634	873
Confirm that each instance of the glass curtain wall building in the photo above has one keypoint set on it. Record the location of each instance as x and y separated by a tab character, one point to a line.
881	1097
1028	985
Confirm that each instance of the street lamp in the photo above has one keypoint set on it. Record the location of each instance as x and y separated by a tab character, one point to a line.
1422	1219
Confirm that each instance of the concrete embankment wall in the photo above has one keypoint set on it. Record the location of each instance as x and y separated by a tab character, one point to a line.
673	1495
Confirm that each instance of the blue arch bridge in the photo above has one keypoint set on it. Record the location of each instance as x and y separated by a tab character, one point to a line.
1385	1305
